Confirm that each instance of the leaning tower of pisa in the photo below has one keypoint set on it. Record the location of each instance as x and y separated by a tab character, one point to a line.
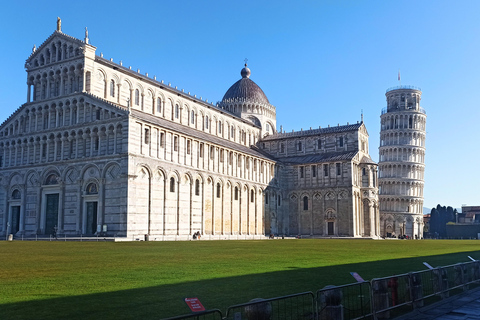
401	166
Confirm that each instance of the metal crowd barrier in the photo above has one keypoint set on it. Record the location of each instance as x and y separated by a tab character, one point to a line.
400	294
380	298
291	307
351	301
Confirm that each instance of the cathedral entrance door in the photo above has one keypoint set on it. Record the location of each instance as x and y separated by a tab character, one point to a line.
51	221
91	226
330	228
15	222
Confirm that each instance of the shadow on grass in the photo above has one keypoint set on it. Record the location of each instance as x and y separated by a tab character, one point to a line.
158	302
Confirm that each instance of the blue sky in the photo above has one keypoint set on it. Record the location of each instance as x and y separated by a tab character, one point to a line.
319	62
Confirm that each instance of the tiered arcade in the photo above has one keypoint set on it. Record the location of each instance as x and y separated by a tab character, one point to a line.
401	166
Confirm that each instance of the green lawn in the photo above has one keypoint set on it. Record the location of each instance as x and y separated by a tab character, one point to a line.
149	280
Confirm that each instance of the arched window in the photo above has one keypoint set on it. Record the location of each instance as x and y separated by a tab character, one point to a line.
16	194
197	187
206	122
177	111
175	143
92	188
219	127
279	200
147	136
172	184
252	196
305	203
159	105
218	190
137	97
236	193
112	88
192	117
52	179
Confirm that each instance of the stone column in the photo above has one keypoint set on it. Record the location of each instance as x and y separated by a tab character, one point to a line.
119	87
5	210
223	210
100	135
101	201
55	149
178	203
77	141
84	144
114	132
28	91
92	142
47	91
164	203
79	207
62	84
10	151
213	206
61	212
256	213
63	141
79	80
248	208
21	228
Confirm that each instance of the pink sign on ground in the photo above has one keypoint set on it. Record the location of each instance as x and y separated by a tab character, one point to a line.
194	304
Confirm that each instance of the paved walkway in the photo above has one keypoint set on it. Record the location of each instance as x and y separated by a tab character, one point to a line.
465	306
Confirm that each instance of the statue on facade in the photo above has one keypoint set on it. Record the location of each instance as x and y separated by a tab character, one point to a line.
59	24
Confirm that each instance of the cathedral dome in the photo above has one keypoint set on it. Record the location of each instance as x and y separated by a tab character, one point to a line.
245	90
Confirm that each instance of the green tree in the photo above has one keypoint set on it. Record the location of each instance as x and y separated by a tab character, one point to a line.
439	217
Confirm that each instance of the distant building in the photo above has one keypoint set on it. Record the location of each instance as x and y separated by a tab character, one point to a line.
467	224
469	215
99	148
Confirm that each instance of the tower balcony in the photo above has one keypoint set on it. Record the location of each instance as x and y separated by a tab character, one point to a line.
403	87
391	109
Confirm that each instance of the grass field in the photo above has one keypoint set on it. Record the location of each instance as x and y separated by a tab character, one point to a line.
149	280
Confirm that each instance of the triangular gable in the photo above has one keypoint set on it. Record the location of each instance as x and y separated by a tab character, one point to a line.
19	113
51	44
363	129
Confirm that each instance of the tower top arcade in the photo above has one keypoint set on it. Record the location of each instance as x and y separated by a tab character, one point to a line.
403	98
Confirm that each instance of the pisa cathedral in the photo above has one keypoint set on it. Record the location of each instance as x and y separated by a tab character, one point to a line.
99	148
